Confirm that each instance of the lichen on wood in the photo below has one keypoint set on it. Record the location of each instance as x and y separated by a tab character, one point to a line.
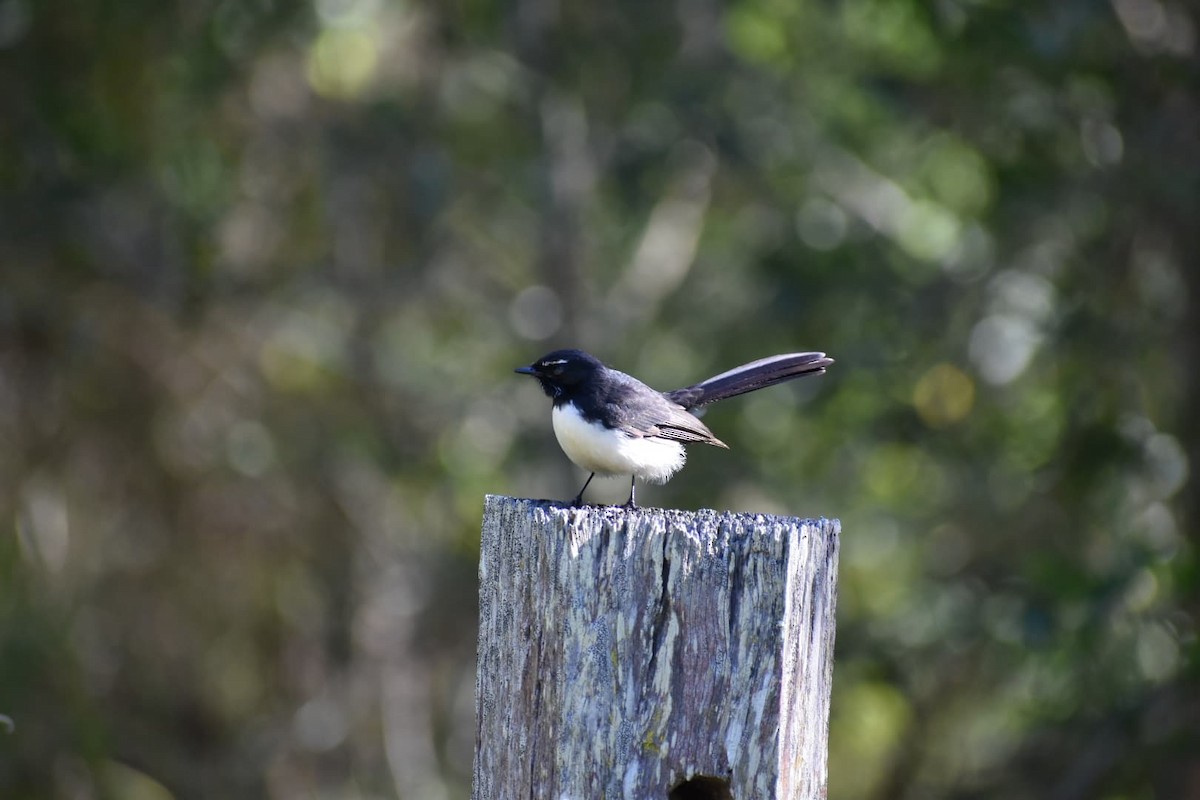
624	652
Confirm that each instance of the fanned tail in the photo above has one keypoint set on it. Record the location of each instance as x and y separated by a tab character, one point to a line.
750	377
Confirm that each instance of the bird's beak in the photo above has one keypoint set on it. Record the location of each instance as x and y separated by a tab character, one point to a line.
526	370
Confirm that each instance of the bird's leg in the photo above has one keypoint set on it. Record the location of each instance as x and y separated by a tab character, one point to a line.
578	501
632	489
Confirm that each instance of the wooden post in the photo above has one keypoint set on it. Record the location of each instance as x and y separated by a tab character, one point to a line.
649	653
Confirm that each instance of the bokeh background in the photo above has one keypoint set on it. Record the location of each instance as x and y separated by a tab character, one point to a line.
266	267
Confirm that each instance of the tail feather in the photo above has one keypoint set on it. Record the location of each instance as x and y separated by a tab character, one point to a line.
749	377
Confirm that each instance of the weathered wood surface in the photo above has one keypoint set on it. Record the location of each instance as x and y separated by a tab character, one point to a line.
622	653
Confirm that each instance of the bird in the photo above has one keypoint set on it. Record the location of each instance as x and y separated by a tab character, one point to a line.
610	423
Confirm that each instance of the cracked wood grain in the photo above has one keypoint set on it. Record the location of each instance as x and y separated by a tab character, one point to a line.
624	652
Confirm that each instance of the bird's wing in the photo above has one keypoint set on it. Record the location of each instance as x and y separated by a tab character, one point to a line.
666	420
689	433
632	407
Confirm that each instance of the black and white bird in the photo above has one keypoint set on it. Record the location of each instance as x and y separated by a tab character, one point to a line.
611	423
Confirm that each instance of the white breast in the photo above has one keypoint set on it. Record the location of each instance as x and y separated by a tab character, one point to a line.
609	452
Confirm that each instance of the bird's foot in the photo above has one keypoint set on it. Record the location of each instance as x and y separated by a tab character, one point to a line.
631	503
578	501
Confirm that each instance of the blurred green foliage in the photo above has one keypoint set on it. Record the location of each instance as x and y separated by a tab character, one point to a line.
265	268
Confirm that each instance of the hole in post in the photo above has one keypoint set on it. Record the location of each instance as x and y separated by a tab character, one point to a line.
702	787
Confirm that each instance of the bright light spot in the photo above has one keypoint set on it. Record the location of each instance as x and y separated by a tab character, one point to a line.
821	224
320	725
943	396
903	476
960	178
1022	294
248	237
1141	592
667	249
1002	346
928	231
1144	20
347	12
536	313
307	344
672	360
277	87
1157	653
755	34
875	717
898	34
480	442
44	526
1102	143
119	780
973	256
1036	440
1157	527
768	421
342	62
249	448
876	548
1153	27
1003	343
14	21
1166	463
1159	279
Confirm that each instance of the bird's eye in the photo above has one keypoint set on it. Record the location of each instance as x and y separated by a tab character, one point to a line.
558	371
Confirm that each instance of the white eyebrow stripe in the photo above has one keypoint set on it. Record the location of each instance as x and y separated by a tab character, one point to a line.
554	363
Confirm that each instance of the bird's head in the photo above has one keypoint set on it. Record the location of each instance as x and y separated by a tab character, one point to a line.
562	370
